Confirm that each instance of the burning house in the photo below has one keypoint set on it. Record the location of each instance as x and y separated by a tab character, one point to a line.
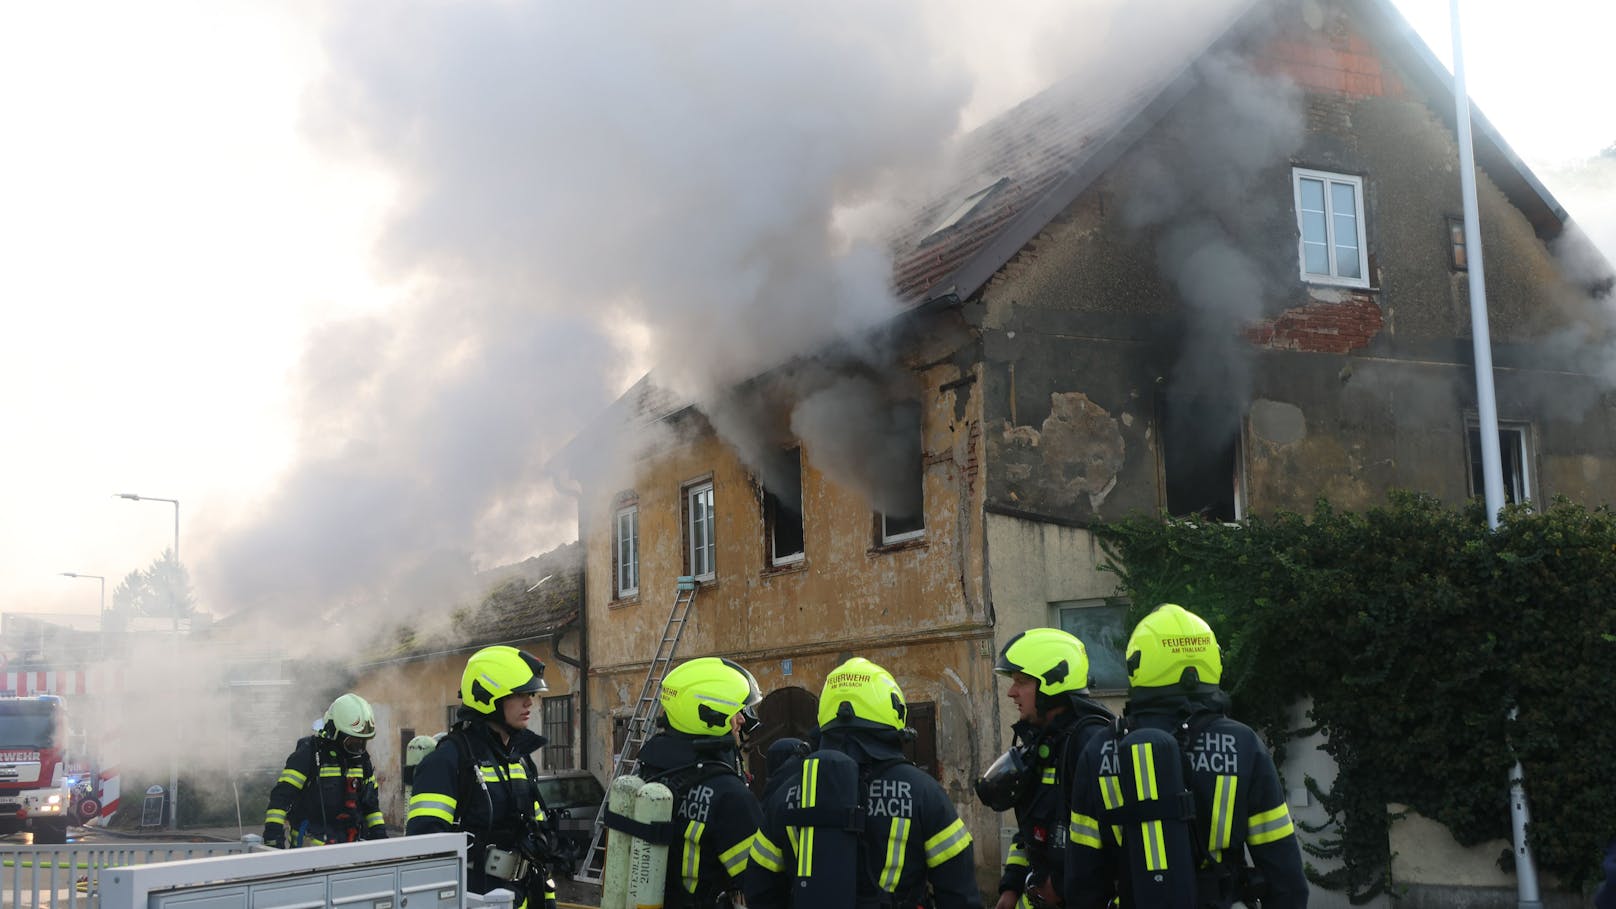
1220	278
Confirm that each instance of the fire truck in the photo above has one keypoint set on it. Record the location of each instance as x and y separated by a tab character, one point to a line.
36	769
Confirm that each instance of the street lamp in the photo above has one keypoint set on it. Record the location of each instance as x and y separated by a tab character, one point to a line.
175	502
173	765
103	580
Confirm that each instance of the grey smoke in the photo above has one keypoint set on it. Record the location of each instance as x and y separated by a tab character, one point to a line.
1201	195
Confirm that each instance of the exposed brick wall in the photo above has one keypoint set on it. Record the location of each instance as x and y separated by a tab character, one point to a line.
1321	327
1334	59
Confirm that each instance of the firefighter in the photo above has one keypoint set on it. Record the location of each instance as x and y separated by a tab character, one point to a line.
862	827
1049	678
1239	808
416	751
707	712
327	793
479	780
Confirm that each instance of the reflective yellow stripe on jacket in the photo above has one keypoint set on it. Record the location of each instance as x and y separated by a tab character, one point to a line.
1268	826
1144	785
764	852
949	842
690	863
1221	832
434	805
734	859
897	845
292	776
1081	830
275	816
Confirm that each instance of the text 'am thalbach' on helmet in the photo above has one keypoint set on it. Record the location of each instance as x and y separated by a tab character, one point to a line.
497	672
349	714
1172	646
861	691
701	696
1057	659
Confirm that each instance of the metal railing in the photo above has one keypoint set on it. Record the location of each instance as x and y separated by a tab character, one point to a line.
36	877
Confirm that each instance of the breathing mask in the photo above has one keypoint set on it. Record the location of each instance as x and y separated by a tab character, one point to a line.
1005	781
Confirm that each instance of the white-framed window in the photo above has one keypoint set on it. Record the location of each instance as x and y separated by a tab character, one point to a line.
626	550
1514	455
700	538
782	508
1102	626
1330	219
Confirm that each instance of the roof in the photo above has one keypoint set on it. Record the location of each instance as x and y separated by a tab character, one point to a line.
1033	162
1054	146
534	598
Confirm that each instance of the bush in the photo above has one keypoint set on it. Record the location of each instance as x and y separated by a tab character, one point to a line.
1415	631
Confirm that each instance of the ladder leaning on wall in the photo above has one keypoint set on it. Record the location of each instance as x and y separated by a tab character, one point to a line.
646	711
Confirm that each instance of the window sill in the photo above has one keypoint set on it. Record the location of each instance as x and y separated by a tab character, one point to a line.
1337	283
897	546
784	568
632	599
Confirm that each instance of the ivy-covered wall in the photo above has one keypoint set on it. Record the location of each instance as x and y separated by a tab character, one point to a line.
1415	630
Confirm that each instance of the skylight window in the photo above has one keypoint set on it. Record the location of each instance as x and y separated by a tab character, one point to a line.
967	207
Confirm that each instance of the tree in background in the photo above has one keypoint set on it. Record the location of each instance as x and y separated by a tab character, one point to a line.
161	590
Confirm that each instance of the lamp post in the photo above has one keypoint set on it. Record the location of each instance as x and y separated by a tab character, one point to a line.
173	764
103	580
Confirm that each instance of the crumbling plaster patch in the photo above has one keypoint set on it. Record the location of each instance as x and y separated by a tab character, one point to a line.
1079	452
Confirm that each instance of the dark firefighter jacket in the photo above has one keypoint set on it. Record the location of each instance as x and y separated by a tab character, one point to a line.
714	815
1041	815
325	795
476	784
1239	807
912	836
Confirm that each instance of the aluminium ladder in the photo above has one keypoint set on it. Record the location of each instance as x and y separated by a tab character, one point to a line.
640	725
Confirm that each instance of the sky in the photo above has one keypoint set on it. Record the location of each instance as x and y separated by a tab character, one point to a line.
308	268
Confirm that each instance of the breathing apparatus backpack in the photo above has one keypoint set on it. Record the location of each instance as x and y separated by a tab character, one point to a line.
1150	801
830	817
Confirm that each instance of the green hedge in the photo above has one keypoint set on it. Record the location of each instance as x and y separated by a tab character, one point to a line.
1415	631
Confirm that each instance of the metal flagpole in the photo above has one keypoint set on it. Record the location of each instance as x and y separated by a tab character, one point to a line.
1487	411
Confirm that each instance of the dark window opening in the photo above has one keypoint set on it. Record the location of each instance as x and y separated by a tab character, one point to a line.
902	514
782	507
557	714
404	736
1512	460
922	749
789	712
1201	458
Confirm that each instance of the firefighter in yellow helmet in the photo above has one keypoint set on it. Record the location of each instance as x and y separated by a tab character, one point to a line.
327	791
861	827
707	713
480	780
1239	809
1049	684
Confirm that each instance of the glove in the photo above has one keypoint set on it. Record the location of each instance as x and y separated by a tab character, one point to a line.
275	836
378	832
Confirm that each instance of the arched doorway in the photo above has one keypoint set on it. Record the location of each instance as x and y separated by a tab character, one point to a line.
792	712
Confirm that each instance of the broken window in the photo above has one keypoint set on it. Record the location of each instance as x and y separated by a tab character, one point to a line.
1330	218
782	507
903	513
1513	457
626	551
1201	458
700	537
